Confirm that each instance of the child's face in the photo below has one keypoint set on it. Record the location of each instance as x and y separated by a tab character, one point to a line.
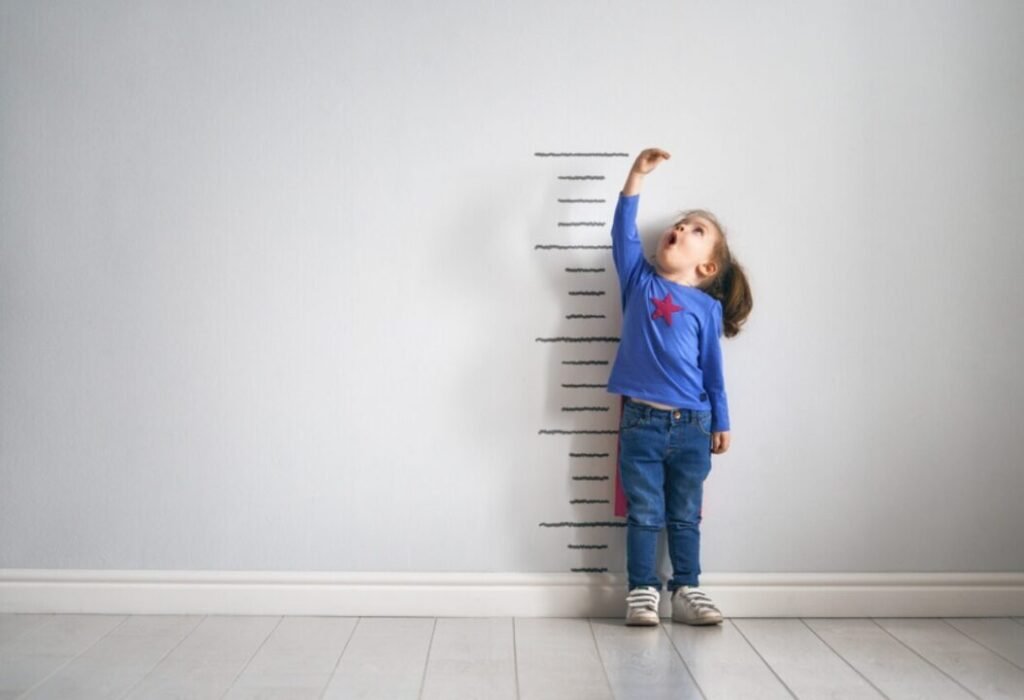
685	248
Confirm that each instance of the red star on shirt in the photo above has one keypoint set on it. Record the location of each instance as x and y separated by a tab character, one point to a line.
665	308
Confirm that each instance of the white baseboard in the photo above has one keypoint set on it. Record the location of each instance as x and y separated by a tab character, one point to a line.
430	594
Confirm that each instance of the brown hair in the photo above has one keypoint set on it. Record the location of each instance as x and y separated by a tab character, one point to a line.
729	284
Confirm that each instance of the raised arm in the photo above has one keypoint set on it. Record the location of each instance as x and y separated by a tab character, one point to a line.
627	250
647	161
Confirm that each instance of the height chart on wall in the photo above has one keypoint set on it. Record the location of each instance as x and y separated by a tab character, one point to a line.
584	350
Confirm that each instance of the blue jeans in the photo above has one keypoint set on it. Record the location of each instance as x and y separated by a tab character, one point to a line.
664	458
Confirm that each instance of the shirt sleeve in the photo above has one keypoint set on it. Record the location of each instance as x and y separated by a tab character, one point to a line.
711	366
627	249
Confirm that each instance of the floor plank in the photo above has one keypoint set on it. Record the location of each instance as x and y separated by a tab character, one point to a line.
557	658
385	658
641	662
14	624
88	657
891	666
981	671
1000	635
723	662
207	661
30	657
472	658
808	667
296	661
118	661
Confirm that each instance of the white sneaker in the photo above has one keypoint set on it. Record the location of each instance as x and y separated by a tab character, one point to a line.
693	606
642	606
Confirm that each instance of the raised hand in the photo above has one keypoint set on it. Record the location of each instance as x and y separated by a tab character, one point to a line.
649	159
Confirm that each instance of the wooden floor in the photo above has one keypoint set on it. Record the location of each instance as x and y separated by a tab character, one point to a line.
163	656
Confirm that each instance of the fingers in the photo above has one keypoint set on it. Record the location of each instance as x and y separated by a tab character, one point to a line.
654	154
649	159
719	442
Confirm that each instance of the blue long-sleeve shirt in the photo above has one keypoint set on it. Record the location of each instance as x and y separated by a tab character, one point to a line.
669	352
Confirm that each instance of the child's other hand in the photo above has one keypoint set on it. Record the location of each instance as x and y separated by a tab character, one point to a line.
649	159
719	442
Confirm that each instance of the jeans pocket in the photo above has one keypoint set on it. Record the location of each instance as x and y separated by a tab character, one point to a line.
631	418
704	422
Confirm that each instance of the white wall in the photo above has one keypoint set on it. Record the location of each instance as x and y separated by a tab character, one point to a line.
270	296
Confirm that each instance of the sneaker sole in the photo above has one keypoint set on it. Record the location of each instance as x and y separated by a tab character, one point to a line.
642	622
702	621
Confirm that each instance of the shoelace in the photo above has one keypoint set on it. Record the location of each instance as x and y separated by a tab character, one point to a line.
643	598
699	599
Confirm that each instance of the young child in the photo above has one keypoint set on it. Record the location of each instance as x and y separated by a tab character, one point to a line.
668	370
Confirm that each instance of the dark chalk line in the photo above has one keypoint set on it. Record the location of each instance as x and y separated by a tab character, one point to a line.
584	408
581	223
581	177
569	339
584	269
593	523
586	293
585	201
585	316
589	500
584	386
567	247
588	546
589	454
584	362
590	478
577	432
584	154
590	570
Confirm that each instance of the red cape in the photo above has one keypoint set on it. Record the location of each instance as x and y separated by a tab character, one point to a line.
620	495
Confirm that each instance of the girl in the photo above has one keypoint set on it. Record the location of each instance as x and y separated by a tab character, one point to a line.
668	370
